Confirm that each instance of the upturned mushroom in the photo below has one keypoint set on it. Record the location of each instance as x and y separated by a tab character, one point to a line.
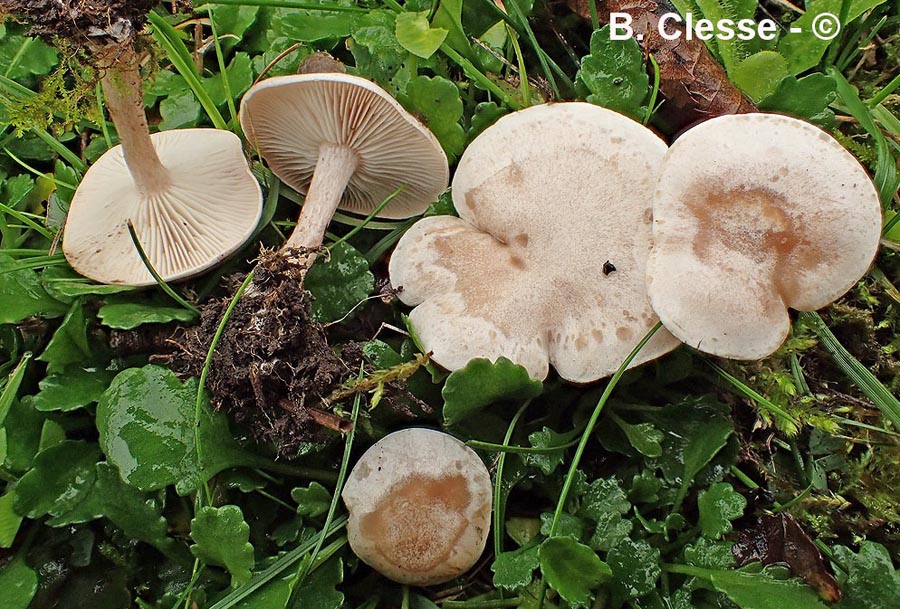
189	194
346	143
745	227
547	260
420	507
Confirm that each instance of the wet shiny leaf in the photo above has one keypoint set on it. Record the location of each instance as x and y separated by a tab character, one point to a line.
872	581
614	74
338	282
515	569
482	383
146	424
572	569
312	501
18	584
61	478
72	388
718	506
635	567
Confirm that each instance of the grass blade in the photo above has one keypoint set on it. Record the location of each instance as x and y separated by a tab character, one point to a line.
867	382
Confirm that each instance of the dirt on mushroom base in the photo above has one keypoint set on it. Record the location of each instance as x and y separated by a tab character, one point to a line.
118	19
273	364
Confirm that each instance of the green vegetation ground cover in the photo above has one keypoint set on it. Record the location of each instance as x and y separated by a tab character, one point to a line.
122	487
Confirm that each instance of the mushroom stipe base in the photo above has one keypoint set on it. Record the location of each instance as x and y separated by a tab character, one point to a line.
273	363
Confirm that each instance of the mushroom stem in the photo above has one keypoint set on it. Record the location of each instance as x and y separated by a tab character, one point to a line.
122	89
334	167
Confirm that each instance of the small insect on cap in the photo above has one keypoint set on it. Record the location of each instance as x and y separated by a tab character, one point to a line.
420	507
288	119
755	213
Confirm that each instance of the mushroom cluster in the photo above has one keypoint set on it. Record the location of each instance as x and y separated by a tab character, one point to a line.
552	260
420	507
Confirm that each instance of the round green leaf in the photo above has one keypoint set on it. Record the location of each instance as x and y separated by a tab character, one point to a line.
416	35
338	283
572	569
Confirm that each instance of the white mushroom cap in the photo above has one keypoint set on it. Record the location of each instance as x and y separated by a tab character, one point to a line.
288	118
550	200
755	213
420	507
207	207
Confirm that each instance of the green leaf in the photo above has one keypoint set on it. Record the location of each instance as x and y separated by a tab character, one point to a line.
568	526
34	56
709	554
803	50
416	35
376	50
547	462
635	567
760	74
319	588
10	520
437	101
22	295
138	514
130	315
234	20
180	109
449	17
18	585
572	569
69	344
72	388
482	383
223	539
718	507
762	591
23	426
604	503
485	115
240	77
64	284
146	425
807	97
313	26
614	74
338	283
62	476
312	501
644	437
871	581
272	595
11	390
515	569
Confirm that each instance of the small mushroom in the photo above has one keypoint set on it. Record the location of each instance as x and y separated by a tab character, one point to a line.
546	262
755	213
420	507
346	143
189	193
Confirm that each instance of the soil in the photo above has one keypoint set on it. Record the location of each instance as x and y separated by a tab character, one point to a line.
273	364
78	20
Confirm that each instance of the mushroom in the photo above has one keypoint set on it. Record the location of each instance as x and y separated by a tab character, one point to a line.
189	193
346	143
745	227
420	507
546	263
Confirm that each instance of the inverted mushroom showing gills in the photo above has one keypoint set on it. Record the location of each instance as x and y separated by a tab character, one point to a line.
420	507
547	261
745	227
346	143
189	194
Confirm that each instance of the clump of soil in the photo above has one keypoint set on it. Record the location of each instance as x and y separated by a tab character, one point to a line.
273	365
120	20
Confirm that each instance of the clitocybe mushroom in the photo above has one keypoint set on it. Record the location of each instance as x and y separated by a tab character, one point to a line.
755	213
189	194
346	143
420	507
547	261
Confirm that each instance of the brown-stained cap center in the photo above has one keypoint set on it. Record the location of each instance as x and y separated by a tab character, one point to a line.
419	521
755	222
